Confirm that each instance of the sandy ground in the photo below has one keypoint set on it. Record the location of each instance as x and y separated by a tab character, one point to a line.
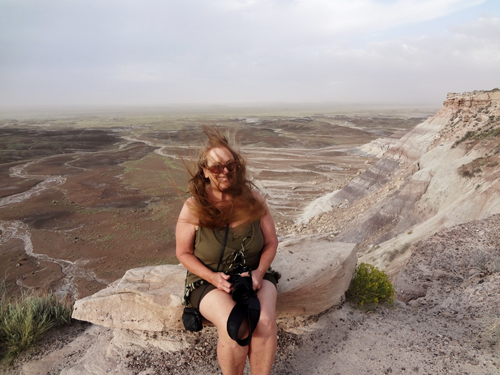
387	340
396	340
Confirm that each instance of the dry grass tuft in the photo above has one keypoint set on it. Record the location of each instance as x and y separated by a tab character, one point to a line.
23	321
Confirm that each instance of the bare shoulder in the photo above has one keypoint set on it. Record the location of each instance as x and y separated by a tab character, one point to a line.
257	196
186	228
188	213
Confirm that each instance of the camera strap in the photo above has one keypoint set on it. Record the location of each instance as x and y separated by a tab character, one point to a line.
249	309
239	313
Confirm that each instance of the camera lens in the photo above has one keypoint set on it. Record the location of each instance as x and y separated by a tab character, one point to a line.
242	288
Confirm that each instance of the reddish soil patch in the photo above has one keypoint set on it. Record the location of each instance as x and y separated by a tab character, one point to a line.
20	143
25	271
98	219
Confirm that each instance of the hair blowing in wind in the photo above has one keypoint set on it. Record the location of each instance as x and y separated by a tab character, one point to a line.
242	207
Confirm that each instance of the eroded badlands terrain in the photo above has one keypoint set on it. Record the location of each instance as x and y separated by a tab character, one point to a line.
85	197
422	204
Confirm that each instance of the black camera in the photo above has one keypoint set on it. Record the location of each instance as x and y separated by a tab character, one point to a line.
242	285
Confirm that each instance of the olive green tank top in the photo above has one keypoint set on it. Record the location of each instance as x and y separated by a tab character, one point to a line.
243	246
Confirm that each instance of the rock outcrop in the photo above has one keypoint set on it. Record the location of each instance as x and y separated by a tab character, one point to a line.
147	298
316	273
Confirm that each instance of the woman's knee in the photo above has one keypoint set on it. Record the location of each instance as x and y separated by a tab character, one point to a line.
266	326
267	322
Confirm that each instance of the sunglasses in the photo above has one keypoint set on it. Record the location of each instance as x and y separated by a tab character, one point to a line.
219	168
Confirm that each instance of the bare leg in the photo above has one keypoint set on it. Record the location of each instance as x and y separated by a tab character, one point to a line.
216	307
265	336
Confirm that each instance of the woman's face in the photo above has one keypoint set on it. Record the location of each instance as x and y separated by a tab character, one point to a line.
219	156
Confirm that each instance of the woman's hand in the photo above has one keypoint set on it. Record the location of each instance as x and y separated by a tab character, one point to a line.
219	280
257	277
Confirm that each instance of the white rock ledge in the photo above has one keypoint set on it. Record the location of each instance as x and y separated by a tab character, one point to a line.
316	273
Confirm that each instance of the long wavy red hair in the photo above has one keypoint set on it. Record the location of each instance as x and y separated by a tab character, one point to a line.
242	207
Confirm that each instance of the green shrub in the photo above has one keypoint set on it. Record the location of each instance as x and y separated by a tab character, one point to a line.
369	286
24	321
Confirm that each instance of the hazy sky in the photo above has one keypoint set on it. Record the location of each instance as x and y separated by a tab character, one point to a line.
154	52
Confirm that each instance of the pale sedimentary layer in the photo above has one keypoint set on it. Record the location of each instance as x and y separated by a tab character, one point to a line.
453	181
316	273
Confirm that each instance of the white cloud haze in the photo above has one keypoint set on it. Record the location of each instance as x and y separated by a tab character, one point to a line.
154	52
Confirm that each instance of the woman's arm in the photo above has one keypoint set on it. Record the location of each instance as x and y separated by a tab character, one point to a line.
270	245
185	232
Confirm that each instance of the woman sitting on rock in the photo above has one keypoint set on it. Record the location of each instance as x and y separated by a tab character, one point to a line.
222	197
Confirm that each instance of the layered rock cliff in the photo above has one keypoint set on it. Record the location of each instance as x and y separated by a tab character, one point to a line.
442	173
